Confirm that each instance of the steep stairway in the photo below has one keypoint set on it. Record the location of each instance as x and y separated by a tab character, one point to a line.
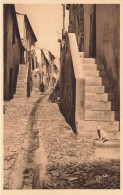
101	105
21	85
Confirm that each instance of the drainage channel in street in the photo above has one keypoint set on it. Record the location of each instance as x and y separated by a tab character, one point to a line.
31	174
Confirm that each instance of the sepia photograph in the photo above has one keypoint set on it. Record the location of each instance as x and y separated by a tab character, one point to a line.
61	96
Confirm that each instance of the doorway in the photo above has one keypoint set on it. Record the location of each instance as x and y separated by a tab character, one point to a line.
32	64
92	46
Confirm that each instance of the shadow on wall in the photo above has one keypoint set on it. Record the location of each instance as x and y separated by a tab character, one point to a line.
67	84
55	98
70	122
15	77
29	81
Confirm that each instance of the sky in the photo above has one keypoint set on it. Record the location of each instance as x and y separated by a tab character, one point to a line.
47	22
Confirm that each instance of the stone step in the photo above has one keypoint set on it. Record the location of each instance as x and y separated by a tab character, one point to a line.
20	83
95	73
88	60
93	137
106	126
19	90
19	96
100	89
110	135
102	105
107	144
92	67
113	135
22	71
100	96
20	80
83	54
21	77
19	93
22	66
94	89
92	105
99	115
107	105
20	86
96	81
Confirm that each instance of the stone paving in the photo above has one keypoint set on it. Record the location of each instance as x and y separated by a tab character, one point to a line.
41	147
15	138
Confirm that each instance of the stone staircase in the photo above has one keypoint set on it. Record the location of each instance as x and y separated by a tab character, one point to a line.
21	82
101	105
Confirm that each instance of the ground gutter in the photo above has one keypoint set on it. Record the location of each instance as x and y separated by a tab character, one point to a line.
33	165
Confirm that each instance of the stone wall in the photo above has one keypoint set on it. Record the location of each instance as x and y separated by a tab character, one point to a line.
76	23
28	33
108	40
67	84
106	32
13	52
72	82
88	9
29	43
97	175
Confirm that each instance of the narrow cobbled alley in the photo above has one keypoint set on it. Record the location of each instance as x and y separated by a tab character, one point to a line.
41	150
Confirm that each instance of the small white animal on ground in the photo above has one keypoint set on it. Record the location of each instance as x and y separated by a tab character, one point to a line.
102	134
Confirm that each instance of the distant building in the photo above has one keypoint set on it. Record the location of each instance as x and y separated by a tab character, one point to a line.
28	39
47	60
13	50
47	70
55	71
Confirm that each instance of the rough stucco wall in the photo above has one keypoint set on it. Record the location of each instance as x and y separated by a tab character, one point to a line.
44	70
67	85
76	23
87	12
13	57
80	27
108	39
72	19
29	35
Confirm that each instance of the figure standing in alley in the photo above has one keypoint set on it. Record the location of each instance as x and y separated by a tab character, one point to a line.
42	87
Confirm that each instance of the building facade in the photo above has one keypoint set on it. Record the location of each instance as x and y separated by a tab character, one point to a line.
55	71
47	62
29	40
90	68
13	50
97	29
